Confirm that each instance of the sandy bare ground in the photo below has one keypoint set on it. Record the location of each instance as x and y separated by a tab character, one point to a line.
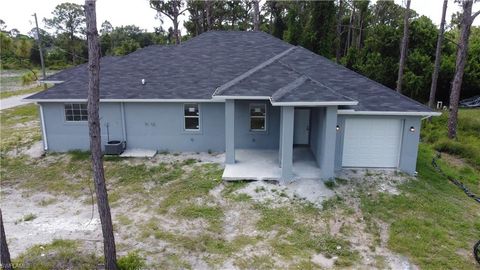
62	217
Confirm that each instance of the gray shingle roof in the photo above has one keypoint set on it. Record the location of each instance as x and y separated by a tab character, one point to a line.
80	70
234	64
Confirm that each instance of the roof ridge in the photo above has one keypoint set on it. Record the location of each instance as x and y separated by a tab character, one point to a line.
315	81
249	72
289	87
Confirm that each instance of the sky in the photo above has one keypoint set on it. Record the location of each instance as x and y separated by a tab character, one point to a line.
18	13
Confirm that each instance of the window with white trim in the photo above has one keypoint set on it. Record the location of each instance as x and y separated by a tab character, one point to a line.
258	119
76	112
191	115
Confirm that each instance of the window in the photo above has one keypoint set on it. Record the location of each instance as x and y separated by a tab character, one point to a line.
258	114
192	117
76	112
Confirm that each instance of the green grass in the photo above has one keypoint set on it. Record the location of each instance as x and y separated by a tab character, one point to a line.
212	214
19	127
132	261
195	184
60	176
7	94
297	239
60	254
467	144
431	220
124	220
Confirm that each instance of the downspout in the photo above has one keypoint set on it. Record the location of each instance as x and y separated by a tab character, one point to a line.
44	130
124	127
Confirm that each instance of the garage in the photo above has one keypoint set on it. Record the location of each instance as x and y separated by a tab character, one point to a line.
372	142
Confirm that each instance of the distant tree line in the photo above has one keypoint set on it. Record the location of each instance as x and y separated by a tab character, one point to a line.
361	35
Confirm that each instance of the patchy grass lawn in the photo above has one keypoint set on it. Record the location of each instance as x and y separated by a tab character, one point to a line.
20	127
432	221
174	213
27	90
11	83
467	144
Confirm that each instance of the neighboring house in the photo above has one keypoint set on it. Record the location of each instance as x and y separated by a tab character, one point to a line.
278	111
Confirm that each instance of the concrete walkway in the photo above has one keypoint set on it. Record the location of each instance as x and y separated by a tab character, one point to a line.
14	101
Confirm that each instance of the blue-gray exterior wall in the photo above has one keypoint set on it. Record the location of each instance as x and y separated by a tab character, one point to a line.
148	125
161	126
64	136
287	115
409	143
316	132
230	131
323	139
244	138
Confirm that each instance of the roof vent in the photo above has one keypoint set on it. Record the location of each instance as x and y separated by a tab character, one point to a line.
143	81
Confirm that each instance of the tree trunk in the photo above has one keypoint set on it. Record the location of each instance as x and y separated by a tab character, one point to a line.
338	39
5	253
403	48
438	56
360	30
256	15
175	30
461	61
349	33
95	141
208	7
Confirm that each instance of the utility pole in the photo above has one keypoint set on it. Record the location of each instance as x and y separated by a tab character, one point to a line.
39	40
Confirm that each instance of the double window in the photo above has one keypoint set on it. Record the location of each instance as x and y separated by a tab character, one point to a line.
191	114
258	120
76	112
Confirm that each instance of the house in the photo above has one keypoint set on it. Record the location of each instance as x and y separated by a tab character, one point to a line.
278	111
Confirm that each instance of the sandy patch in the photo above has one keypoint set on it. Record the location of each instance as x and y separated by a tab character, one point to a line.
362	240
313	191
65	218
385	181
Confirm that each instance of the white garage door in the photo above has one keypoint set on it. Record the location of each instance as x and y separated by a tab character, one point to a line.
372	142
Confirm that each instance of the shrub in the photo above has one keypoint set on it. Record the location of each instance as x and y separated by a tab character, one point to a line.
28	78
132	261
454	147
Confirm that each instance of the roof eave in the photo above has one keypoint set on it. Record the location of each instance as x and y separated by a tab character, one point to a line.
121	100
313	103
401	113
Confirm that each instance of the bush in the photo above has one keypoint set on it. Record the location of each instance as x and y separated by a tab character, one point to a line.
28	78
457	148
132	261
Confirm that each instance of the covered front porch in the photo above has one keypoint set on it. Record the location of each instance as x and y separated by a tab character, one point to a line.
263	164
298	143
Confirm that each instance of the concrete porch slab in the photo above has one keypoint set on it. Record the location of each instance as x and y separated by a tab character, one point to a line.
137	152
252	164
263	164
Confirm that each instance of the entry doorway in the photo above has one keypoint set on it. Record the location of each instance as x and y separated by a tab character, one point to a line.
301	129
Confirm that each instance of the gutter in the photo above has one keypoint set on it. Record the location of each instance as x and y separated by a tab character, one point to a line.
353	112
44	129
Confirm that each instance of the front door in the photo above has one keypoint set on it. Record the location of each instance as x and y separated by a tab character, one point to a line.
301	130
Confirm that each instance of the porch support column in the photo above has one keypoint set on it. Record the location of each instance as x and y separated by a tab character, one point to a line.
327	160
230	131
286	143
